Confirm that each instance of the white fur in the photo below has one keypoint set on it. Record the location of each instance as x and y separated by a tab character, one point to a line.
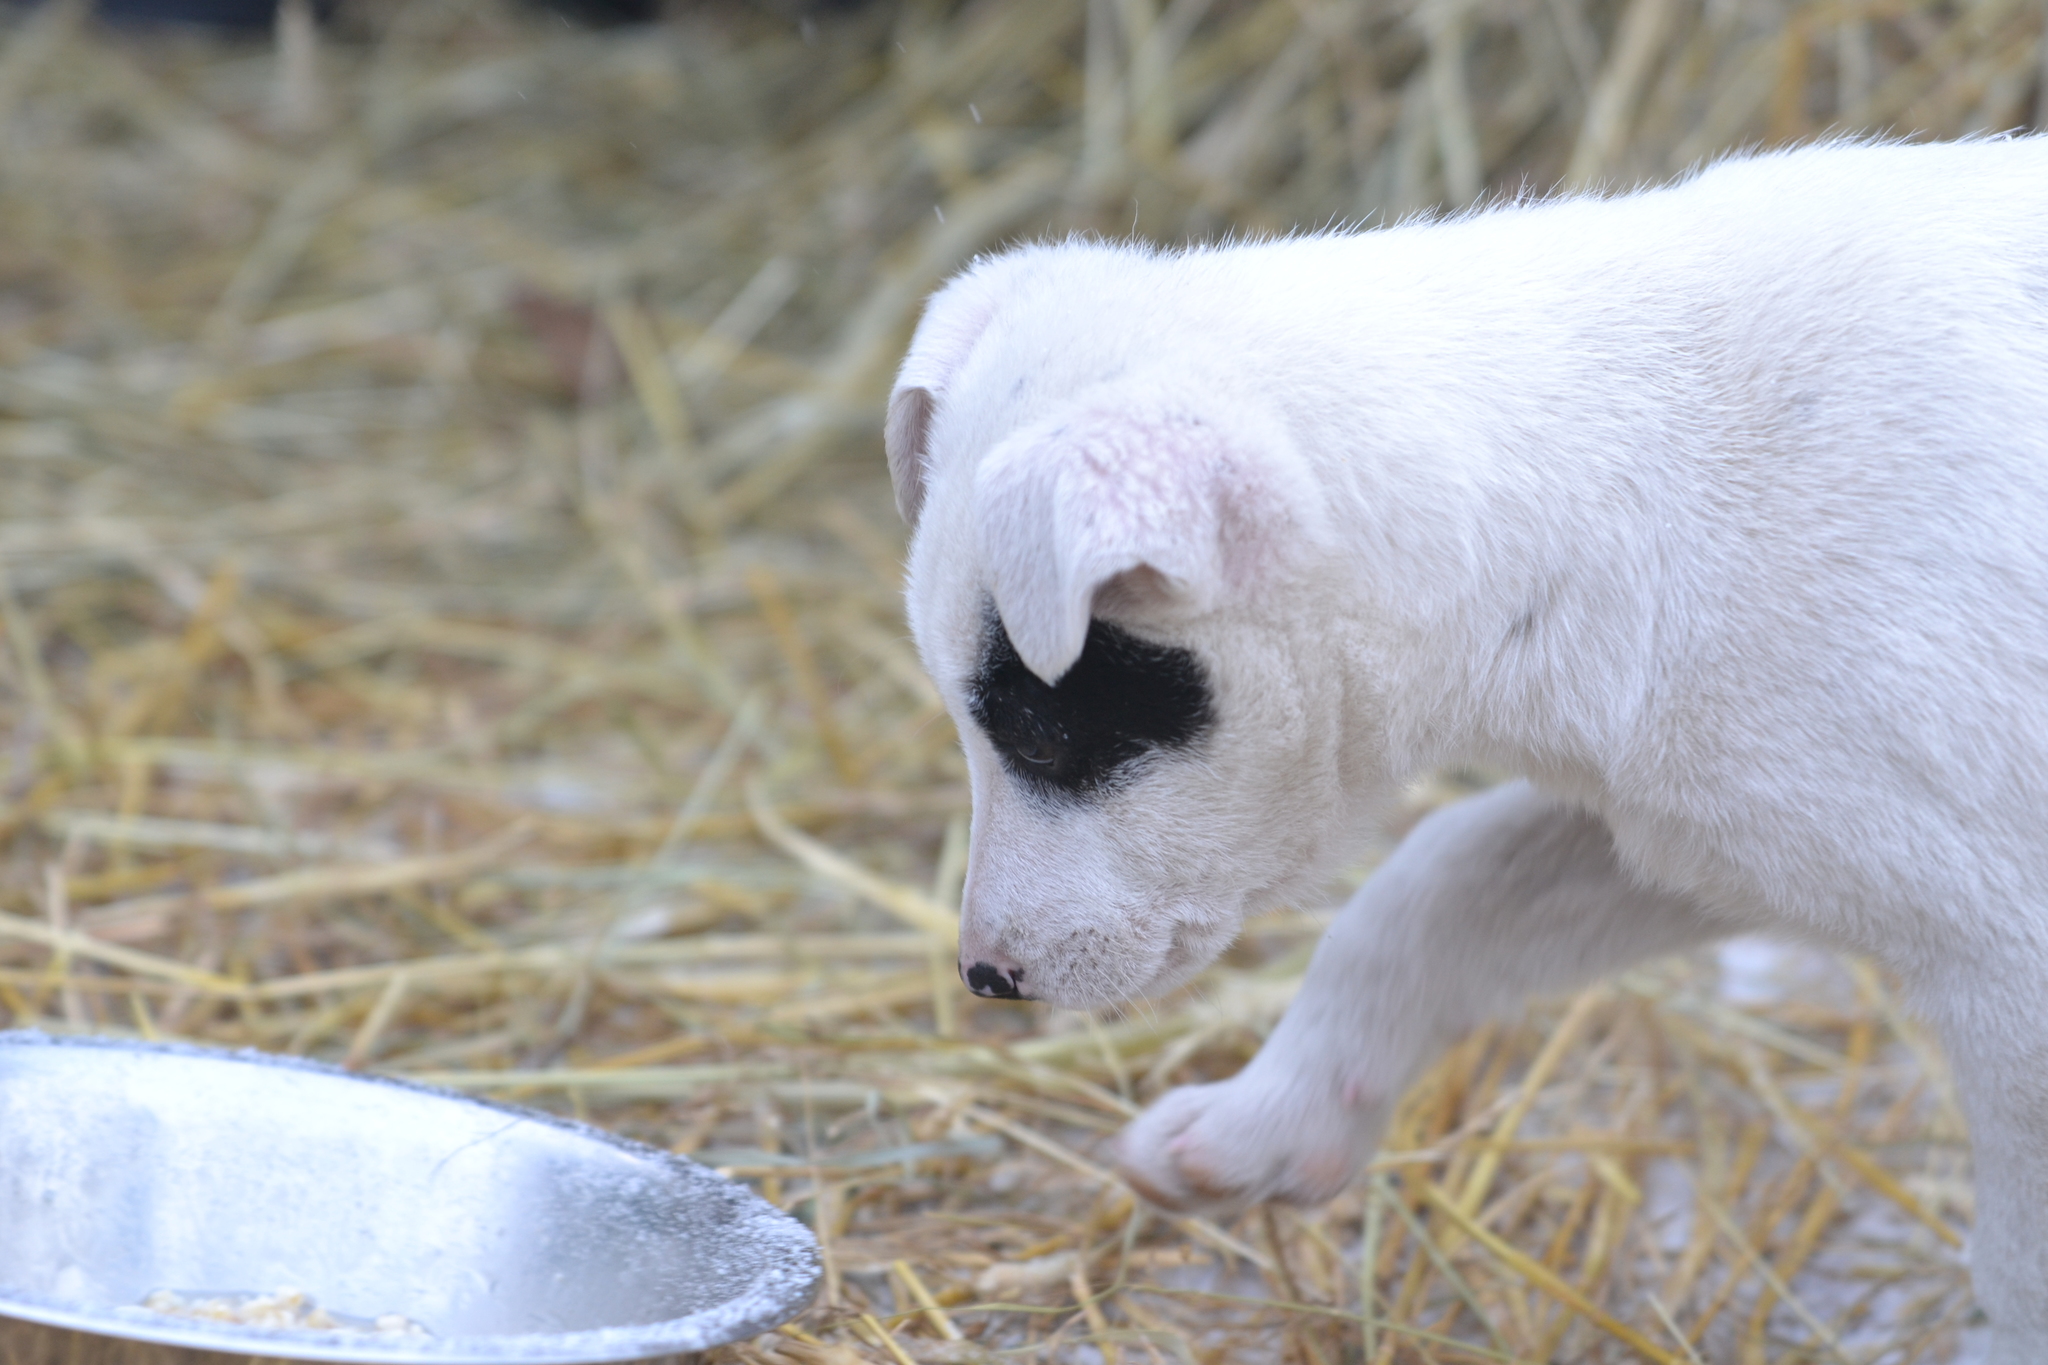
1719	512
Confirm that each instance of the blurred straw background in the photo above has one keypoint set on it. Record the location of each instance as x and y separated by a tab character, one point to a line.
450	594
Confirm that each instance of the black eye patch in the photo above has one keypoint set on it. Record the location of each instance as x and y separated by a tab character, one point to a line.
1121	700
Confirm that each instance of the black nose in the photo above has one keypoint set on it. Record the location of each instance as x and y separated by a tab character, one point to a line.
993	982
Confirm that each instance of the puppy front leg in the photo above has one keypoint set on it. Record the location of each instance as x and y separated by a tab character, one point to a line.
1496	898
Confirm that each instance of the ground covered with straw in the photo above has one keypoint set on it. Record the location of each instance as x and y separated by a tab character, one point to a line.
450	593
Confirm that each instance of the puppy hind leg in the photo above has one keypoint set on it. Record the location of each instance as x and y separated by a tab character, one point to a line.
1502	896
1993	1020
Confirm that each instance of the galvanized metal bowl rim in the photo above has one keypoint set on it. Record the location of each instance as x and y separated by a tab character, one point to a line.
789	1255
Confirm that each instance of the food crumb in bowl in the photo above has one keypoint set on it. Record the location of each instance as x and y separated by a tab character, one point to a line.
287	1308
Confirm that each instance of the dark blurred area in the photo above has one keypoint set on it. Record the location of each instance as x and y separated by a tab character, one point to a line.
260	15
257	15
228	14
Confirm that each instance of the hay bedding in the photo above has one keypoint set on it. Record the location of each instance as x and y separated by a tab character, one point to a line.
450	597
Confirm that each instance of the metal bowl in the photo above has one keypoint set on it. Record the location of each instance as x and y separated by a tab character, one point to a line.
130	1168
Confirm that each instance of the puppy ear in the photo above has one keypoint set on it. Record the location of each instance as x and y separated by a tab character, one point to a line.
1064	509
953	321
903	437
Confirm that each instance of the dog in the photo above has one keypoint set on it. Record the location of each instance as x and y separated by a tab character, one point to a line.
1718	512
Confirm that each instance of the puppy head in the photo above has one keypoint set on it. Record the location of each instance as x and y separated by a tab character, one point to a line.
1114	582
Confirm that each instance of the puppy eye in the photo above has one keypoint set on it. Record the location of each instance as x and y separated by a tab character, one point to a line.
1039	753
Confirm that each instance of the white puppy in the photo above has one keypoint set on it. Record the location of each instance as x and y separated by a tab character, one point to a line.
1719	512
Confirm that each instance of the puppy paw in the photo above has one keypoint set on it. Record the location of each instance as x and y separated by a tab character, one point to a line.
1216	1149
